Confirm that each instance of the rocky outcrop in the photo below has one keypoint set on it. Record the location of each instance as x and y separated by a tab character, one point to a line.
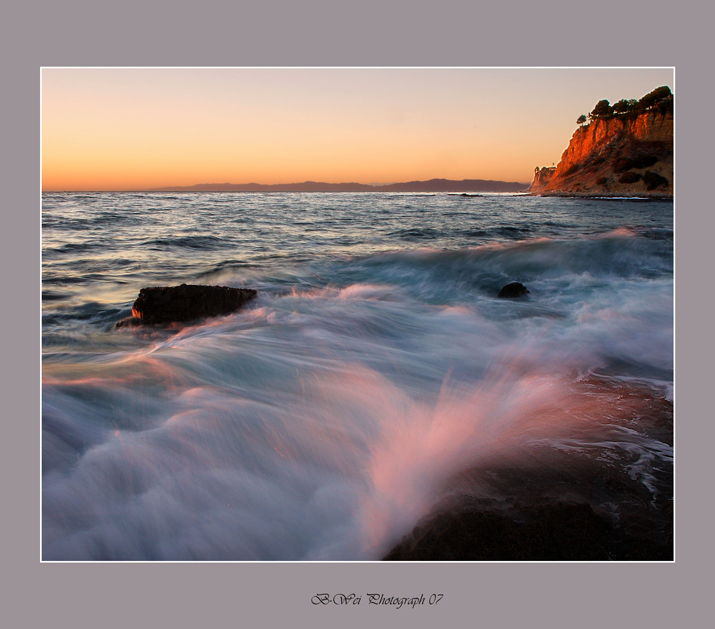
616	156
557	504
542	176
169	304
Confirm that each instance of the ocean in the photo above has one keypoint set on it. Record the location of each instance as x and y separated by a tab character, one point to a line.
375	378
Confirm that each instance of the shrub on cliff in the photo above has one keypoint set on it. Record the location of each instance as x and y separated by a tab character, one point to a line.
630	177
665	106
621	165
642	160
654	180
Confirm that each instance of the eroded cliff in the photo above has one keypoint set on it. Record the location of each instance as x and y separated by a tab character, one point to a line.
617	156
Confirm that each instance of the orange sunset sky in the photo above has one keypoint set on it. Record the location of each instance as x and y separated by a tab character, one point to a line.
138	128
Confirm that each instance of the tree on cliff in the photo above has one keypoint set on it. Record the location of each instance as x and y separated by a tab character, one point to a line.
660	100
623	106
581	120
602	109
657	96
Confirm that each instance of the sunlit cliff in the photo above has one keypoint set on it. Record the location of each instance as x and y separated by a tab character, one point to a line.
626	154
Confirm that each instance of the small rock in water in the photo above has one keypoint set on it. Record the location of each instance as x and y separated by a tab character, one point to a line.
515	289
129	322
167	304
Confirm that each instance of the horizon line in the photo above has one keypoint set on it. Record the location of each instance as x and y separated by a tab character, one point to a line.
379	187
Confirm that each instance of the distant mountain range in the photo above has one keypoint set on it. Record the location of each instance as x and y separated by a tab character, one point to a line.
433	185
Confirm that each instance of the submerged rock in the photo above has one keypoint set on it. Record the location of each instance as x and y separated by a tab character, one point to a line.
168	304
515	289
129	322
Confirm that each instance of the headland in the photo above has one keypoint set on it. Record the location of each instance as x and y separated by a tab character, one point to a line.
624	150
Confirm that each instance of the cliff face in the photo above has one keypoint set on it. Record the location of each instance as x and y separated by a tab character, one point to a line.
614	157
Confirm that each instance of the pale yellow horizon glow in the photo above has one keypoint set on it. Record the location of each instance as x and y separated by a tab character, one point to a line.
140	128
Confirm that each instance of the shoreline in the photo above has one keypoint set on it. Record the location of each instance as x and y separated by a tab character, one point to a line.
603	195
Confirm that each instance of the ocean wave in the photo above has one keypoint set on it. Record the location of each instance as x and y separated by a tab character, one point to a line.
415	234
336	464
189	242
541	259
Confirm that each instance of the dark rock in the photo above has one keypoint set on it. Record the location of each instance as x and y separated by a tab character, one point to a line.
561	531
653	180
129	322
558	532
513	290
558	505
630	177
167	304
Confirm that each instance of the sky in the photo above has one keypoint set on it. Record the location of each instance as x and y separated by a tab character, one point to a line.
141	128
